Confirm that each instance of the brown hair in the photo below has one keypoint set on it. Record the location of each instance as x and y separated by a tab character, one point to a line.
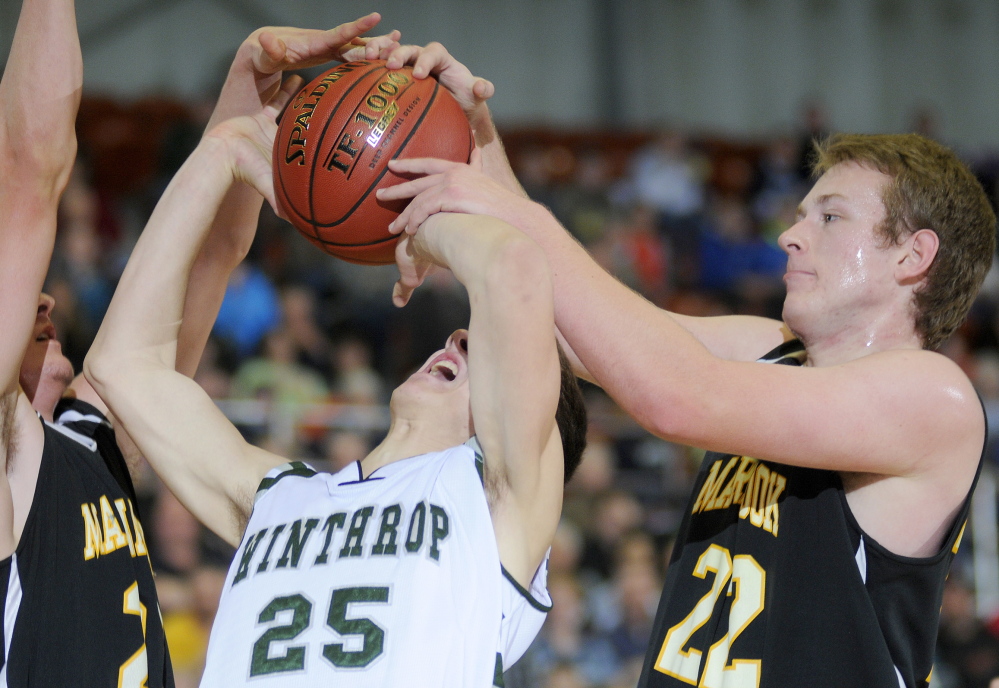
930	188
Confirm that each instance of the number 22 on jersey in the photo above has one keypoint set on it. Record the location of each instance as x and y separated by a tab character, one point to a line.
742	577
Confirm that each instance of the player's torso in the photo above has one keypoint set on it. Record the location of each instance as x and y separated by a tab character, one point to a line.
382	581
774	584
81	582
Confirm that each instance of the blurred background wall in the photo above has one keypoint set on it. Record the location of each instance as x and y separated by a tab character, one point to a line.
723	67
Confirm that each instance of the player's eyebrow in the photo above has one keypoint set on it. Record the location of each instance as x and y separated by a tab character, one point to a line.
821	200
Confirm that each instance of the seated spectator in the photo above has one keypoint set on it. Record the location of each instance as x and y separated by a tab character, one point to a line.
251	308
277	376
565	640
734	257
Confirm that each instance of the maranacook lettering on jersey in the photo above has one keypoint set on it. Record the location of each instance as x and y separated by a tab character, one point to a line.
106	530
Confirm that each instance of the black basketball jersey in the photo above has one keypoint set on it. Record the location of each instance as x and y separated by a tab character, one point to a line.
80	588
773	584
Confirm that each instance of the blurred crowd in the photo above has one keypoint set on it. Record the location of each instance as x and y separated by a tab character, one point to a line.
307	349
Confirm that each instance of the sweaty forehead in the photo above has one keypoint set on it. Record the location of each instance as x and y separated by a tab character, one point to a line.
851	183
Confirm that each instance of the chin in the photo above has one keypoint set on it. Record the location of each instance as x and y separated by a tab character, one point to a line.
51	381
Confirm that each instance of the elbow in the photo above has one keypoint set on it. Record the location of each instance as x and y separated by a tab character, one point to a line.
104	369
98	371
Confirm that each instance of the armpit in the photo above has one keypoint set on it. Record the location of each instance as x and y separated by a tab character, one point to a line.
8	429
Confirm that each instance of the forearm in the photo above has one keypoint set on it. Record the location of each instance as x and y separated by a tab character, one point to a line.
636	351
227	244
235	223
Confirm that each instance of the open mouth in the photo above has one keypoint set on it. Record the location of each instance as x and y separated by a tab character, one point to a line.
445	369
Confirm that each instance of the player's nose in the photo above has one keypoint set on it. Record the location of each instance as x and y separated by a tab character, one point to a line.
45	304
790	239
459	338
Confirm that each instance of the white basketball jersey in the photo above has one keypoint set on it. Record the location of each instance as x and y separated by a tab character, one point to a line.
388	580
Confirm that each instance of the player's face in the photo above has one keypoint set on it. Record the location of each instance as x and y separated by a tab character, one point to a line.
43	365
839	274
440	387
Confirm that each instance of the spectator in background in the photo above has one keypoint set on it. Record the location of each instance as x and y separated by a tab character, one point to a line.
814	127
615	513
967	650
585	202
312	347
633	250
251	308
737	261
668	176
356	381
277	376
344	447
534	171
777	179
565	639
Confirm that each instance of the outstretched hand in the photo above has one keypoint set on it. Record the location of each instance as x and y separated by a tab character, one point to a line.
444	186
268	51
249	142
470	91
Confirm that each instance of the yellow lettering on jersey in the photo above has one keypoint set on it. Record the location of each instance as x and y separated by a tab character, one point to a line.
772	514
741	479
716	501
93	537
113	537
761	483
724	500
140	537
120	506
750	494
707	487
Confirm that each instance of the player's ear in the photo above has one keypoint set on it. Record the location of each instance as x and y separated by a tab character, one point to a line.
919	250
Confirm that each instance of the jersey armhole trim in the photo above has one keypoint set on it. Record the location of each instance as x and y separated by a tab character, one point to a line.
297	468
525	593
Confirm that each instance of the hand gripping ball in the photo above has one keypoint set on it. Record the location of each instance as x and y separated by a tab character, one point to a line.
333	145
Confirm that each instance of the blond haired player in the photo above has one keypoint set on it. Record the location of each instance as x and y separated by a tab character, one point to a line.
843	449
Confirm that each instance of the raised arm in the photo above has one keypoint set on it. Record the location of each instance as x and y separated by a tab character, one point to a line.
133	363
39	98
253	79
514	373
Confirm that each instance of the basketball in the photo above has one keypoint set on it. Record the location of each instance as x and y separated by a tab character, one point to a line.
333	144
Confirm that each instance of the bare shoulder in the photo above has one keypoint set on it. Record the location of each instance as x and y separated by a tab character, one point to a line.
926	380
932	397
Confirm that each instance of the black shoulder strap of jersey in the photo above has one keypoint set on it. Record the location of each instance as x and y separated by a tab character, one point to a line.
791	352
87	420
957	529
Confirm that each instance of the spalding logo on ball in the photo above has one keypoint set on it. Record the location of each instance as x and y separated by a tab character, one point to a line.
333	145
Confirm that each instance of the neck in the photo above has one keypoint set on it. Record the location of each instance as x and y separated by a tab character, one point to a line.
45	399
407	438
851	343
